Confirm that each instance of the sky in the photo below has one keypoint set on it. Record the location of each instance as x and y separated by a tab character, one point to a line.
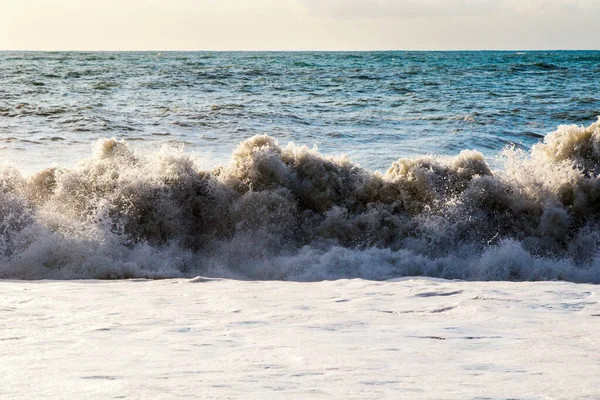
298	24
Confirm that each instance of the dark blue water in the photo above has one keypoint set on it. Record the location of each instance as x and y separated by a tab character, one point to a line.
373	106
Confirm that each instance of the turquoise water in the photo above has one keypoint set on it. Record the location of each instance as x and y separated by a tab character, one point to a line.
373	106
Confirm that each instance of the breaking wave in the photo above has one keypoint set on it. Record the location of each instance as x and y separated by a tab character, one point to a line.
288	212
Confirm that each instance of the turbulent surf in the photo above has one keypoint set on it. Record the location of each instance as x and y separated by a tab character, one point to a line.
288	212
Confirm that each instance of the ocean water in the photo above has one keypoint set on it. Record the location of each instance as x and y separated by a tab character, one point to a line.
469	165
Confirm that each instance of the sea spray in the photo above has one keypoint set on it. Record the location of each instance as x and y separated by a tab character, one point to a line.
288	212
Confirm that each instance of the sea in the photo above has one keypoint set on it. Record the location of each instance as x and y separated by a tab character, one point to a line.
302	166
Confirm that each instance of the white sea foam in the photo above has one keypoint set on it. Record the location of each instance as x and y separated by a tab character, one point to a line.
348	339
288	212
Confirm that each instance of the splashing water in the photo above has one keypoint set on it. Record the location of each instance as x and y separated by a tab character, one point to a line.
288	212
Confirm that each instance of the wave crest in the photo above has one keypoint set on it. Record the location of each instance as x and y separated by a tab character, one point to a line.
288	212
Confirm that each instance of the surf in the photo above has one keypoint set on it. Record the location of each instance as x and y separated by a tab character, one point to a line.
288	212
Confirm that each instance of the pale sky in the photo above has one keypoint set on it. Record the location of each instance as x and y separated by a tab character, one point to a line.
298	24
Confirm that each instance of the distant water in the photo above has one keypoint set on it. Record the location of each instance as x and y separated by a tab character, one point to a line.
373	106
472	185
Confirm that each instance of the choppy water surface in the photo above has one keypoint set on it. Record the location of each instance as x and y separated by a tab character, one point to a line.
497	199
375	107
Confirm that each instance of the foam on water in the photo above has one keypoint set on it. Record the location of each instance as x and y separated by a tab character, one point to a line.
288	212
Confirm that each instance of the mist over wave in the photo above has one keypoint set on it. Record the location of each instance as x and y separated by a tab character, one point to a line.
288	212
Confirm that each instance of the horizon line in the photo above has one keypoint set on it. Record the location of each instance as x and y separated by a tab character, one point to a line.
289	51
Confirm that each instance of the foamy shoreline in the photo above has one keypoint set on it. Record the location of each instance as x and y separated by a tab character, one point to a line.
414	338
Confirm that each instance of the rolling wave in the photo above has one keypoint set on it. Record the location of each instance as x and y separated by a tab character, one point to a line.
288	212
